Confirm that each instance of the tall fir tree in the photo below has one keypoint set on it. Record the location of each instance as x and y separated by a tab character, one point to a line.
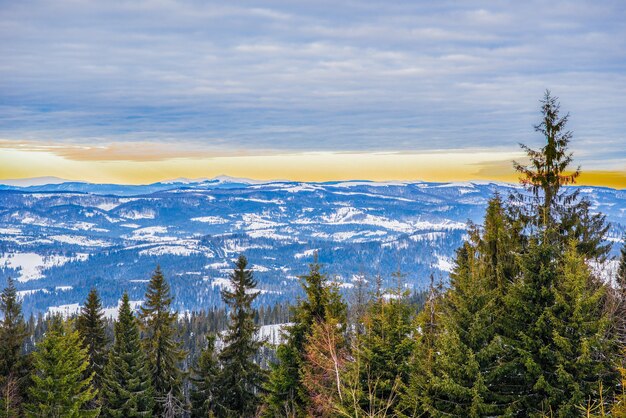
92	329
287	396
126	387
164	352
556	213
13	363
204	382
59	386
240	379
545	364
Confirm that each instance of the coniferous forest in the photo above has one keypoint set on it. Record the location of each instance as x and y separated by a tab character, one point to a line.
526	326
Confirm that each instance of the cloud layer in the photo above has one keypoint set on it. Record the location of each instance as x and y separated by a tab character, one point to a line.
310	76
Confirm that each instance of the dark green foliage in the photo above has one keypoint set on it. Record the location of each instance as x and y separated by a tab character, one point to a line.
559	334
13	367
287	395
382	355
463	379
163	351
92	329
204	381
127	389
240	379
621	270
556	213
59	386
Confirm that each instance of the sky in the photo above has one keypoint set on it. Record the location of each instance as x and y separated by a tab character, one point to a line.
145	90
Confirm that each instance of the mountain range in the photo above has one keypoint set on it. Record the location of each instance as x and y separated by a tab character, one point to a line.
61	238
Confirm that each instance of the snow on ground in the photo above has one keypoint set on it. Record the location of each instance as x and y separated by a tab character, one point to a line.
64	310
130	225
22	293
222	283
10	231
273	334
444	263
606	271
255	221
138	214
80	240
218	266
151	234
307	253
169	249
268	233
112	311
32	265
213	220
63	288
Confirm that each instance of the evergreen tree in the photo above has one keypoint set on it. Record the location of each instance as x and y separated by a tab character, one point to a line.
382	354
204	381
413	396
92	329
13	367
164	352
556	213
126	389
621	270
287	395
240	379
463	377
59	386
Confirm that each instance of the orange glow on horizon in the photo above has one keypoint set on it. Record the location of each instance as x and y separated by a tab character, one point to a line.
325	166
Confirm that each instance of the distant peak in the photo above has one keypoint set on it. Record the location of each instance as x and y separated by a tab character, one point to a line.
34	181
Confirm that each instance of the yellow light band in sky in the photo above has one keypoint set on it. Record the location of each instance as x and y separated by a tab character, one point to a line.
326	166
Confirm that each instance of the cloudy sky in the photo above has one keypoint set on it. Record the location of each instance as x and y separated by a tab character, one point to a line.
137	91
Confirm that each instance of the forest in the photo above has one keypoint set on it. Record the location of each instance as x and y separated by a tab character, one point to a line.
528	325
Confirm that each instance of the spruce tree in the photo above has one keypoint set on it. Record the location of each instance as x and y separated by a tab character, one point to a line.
13	367
240	379
287	396
204	382
59	386
163	351
556	213
126	388
92	329
463	377
549	342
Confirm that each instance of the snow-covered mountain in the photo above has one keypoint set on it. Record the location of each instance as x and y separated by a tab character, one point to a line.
61	239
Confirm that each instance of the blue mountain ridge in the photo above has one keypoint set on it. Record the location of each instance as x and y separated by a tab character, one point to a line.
59	240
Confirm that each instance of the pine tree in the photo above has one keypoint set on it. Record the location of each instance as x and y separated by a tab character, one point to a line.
287	395
13	367
127	389
59	386
204	381
240	379
92	329
164	352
